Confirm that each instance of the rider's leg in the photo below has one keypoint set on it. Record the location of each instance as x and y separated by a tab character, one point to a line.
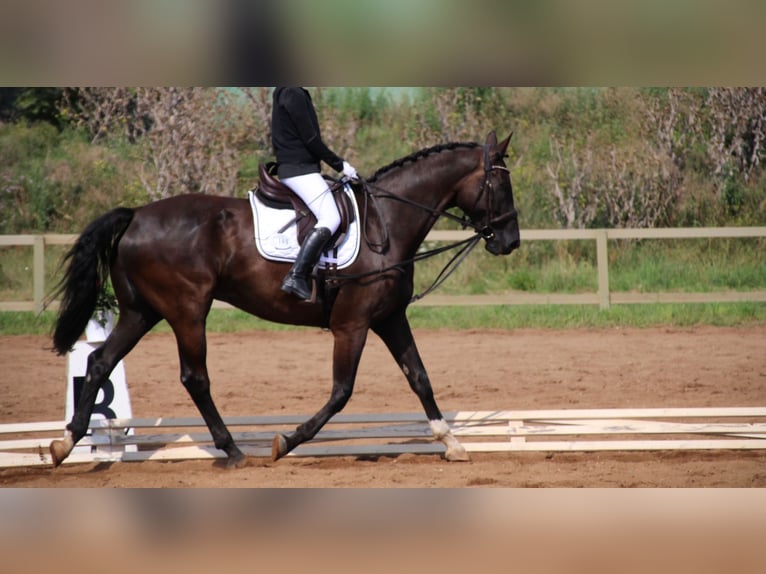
315	193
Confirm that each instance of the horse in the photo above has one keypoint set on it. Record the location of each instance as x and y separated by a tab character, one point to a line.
171	258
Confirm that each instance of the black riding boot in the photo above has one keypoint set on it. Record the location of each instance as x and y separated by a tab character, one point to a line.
298	279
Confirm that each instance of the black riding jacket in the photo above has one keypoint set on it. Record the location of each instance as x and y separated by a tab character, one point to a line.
295	135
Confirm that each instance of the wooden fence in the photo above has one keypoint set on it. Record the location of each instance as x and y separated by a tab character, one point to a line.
604	297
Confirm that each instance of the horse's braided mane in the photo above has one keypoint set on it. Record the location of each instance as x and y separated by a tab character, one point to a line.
421	154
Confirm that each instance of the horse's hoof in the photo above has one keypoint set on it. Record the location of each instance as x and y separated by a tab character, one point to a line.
237	461
59	451
278	447
457	455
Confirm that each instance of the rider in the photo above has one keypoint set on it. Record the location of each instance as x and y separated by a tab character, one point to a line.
299	149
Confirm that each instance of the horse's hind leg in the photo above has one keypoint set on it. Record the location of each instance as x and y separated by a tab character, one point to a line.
130	327
192	349
346	354
397	335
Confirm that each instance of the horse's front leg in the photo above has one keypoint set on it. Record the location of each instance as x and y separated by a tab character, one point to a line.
397	335
346	354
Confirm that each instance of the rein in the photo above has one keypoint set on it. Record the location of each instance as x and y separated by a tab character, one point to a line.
465	247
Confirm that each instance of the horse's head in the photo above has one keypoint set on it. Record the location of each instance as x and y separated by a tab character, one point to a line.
487	199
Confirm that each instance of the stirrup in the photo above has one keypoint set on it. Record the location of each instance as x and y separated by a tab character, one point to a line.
299	286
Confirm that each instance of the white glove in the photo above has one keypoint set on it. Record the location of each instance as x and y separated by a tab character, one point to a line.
349	171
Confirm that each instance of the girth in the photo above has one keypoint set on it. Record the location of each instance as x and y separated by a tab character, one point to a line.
277	195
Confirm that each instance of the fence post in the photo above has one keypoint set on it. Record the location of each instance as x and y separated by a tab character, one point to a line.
602	262
38	272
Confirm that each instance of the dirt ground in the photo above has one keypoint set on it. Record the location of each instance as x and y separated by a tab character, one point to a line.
259	373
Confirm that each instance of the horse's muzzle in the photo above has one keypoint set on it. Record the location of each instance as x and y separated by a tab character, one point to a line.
501	234
497	247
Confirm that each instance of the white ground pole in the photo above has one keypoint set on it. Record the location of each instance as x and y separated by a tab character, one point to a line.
707	428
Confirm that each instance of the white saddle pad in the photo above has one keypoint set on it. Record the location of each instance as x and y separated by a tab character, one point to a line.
284	246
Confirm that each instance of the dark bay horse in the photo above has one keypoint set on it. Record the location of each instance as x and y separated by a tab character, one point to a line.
170	259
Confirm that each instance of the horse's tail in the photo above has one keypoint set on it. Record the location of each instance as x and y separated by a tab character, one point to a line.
86	275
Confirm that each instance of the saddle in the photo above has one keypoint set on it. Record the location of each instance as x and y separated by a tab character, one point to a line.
277	195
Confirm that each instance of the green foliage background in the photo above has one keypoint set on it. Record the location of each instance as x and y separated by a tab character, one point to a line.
55	175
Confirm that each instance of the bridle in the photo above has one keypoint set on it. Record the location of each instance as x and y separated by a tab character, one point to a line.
485	229
482	230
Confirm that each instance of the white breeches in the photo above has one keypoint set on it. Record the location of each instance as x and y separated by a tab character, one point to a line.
313	190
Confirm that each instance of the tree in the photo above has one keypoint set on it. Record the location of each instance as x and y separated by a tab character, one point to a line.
189	137
457	114
31	104
630	183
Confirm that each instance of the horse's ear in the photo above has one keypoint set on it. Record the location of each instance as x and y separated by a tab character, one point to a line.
491	138
503	147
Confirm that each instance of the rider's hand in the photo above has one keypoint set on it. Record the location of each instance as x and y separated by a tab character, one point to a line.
349	171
